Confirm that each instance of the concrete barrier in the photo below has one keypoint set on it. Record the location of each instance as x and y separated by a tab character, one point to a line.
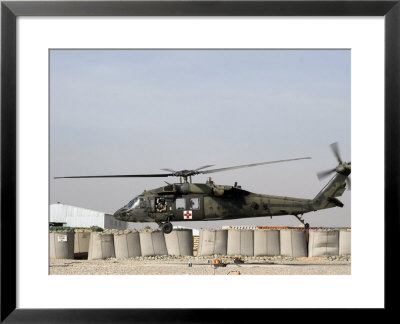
293	243
152	243
212	242
323	243
179	242
344	242
101	246
81	242
266	242
127	245
240	242
61	245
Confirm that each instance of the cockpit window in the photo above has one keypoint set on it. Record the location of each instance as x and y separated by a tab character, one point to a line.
142	203
131	202
137	203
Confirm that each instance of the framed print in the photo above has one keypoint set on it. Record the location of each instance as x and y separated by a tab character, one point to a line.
33	31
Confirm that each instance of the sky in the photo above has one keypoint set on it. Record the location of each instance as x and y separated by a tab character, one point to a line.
138	111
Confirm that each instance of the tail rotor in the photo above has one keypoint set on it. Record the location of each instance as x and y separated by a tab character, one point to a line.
335	150
323	174
343	168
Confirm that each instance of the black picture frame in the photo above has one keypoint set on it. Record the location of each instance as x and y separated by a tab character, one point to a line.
10	10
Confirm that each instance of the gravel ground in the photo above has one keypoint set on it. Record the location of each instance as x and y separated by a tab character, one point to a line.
169	265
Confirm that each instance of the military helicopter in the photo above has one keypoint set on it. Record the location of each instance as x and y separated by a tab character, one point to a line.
187	201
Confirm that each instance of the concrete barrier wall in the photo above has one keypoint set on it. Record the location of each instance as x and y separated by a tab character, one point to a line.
267	243
286	242
152	243
61	245
344	242
206	242
221	242
212	242
101	246
240	242
323	243
81	244
293	243
179	242
127	245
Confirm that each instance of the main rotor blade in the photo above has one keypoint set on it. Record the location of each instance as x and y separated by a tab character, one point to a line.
335	150
324	174
203	167
122	176
170	170
249	165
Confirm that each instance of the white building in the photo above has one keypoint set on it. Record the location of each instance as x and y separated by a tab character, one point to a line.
81	217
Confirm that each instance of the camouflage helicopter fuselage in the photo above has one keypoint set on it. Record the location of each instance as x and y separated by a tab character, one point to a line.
208	201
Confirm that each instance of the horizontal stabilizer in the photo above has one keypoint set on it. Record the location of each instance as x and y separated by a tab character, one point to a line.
335	201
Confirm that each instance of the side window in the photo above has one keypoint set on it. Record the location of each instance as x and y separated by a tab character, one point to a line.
180	204
142	203
194	203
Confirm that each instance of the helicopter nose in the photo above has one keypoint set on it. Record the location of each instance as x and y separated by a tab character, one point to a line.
117	214
120	214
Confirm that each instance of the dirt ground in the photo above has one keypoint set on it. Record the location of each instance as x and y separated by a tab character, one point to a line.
202	266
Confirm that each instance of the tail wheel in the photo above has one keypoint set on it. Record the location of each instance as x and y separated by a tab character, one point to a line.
167	228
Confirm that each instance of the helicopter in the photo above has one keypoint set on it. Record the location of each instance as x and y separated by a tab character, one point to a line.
187	201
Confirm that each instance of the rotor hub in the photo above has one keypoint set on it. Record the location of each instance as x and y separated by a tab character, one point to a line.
344	169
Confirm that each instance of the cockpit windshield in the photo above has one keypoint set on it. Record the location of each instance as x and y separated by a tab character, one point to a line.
131	202
137	202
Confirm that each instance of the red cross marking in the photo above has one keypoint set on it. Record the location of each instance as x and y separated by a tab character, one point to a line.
187	214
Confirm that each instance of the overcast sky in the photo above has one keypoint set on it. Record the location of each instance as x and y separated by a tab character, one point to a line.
137	111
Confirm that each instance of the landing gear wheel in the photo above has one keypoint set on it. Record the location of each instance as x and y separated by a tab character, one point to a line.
306	225
167	228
